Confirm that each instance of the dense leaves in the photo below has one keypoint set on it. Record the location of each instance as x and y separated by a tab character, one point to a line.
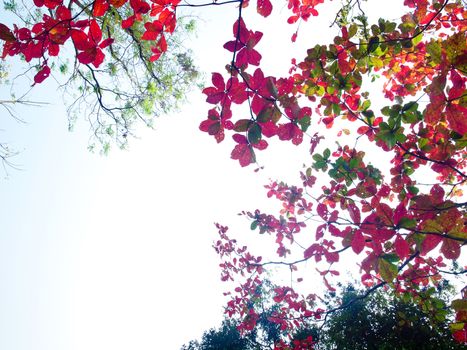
403	228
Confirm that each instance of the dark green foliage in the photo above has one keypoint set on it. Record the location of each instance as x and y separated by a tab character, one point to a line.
226	337
381	321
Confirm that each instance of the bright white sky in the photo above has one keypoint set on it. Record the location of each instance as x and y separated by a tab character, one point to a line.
115	252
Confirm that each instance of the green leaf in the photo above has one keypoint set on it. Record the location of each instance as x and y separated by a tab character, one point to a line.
417	39
459	304
265	115
390	26
242	125
326	153
407	43
392	258
318	157
387	137
456	326
434	50
373	44
353	30
365	105
375	30
254	225
407	223
376	62
413	190
254	133
387	270
304	123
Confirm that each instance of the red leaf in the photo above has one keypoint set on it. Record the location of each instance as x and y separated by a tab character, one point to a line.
139	6
311	250
354	213
244	154
320	231
218	81
127	23
87	56
358	242
430	242
264	7
261	145
328	121
451	249
331	257
117	3
95	32
322	211
335	231
460	336
399	213
328	286
241	139
100	8
106	43
53	49
428	17
98	58
42	74
402	247
51	4
149	35
456	116
290	131
80	40
294	37
237	91
63	13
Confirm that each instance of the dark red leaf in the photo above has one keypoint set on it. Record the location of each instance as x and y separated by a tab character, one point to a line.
53	49
127	23
139	6
42	74
322	211
95	32
451	249
244	154
86	57
320	232
241	139
63	13
6	34
98	58
430	242
264	7
402	247
106	43
80	40
358	242
354	213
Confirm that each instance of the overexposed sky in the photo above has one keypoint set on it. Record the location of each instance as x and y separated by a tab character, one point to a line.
115	252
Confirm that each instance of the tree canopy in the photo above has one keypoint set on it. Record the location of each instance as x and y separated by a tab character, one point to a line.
110	73
381	321
387	196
